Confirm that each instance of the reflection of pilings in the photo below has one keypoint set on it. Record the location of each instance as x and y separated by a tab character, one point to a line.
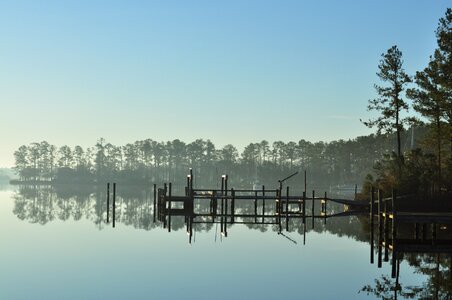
394	234
190	233
108	202
371	216
380	228
386	230
304	233
396	289
114	204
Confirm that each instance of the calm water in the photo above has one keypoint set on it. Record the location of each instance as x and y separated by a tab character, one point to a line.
56	244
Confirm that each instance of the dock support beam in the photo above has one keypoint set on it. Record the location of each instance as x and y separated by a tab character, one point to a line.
114	204
108	202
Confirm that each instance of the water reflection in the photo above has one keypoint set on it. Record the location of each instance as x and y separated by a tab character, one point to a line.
424	240
135	207
415	246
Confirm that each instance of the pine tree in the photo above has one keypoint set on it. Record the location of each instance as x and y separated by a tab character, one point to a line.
390	103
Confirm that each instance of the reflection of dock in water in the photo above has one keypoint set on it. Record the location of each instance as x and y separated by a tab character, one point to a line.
226	206
403	231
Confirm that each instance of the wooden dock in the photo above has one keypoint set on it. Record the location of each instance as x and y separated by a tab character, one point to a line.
424	230
268	206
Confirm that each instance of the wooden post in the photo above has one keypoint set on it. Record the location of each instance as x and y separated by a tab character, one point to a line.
313	202
263	204
394	216
213	202
155	200
226	209
108	202
278	208
226	185
304	208
305	181
324	220
222	206
255	206
356	190
114	204
312	209
287	208
233	205
169	206
187	188
191	181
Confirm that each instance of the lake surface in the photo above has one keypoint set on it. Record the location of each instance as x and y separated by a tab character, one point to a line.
56	244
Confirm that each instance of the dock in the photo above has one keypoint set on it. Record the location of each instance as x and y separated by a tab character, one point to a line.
402	229
266	206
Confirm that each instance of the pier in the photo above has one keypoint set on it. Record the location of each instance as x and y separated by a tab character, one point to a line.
263	206
402	230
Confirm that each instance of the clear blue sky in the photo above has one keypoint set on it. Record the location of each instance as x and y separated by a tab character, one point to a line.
230	71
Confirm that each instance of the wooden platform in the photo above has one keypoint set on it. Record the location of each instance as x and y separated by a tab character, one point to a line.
421	217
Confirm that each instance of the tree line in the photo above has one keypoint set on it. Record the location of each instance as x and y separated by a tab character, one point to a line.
145	161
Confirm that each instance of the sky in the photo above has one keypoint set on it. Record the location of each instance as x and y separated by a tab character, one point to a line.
232	71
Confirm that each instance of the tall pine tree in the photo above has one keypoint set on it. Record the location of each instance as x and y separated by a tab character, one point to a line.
389	101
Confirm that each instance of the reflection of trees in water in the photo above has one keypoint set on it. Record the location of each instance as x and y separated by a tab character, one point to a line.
43	204
437	267
134	207
35	205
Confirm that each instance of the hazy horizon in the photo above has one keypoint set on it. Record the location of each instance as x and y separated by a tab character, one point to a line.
232	72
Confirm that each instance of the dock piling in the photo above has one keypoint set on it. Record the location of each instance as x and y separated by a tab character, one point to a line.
114	204
108	202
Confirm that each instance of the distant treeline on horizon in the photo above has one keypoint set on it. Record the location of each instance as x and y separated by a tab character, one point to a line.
146	161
